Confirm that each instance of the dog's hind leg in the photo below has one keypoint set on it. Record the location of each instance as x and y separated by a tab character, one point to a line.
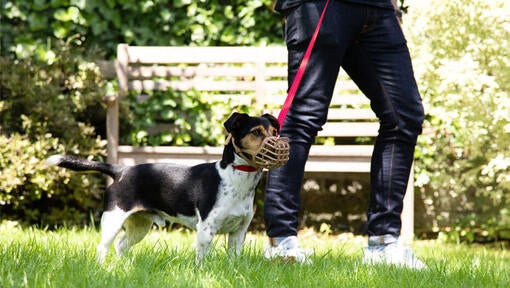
136	227
111	224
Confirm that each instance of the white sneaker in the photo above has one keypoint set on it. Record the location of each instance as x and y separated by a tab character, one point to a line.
288	250
392	254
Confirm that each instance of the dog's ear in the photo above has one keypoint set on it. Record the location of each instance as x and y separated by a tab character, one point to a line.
228	155
228	152
234	121
273	121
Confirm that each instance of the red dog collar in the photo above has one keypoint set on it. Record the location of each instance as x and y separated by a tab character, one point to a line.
245	168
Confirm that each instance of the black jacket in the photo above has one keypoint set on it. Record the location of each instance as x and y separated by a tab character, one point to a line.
282	5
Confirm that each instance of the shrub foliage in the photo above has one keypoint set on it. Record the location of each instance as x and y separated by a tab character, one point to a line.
30	27
46	109
462	53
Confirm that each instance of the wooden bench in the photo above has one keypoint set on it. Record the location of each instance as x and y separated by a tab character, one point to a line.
244	75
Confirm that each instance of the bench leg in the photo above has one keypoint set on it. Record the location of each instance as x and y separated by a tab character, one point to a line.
112	131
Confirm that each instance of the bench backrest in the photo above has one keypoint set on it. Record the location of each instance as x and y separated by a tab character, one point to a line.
245	75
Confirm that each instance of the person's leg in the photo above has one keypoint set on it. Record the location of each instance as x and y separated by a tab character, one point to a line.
380	65
308	111
282	197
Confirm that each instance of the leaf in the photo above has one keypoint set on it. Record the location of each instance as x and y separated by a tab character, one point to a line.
60	30
167	115
67	15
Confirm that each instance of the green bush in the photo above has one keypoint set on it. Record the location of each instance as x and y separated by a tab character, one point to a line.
46	109
31	27
461	57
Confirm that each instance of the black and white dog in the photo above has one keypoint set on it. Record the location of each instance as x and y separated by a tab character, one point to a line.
213	198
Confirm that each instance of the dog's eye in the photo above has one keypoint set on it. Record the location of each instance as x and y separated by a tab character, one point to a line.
256	133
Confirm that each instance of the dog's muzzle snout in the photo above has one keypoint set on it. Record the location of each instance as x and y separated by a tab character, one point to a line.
272	153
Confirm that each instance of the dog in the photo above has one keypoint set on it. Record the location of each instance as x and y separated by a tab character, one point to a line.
211	198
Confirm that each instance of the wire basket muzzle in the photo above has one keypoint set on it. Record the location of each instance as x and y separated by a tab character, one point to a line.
272	153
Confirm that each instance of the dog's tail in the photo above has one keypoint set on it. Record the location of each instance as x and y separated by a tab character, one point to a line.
80	164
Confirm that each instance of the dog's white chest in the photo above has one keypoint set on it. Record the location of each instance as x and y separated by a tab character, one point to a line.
232	216
234	204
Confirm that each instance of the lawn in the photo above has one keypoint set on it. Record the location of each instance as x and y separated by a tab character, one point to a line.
66	258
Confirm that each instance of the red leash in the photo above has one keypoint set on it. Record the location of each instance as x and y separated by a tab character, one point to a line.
301	70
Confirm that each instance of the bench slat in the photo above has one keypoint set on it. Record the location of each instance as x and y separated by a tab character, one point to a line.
341	87
351	114
338	100
349	129
129	155
148	72
342	113
188	71
274	90
347	158
156	54
195	76
199	85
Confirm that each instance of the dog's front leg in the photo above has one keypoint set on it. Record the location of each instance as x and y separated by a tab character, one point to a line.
236	238
236	241
205	235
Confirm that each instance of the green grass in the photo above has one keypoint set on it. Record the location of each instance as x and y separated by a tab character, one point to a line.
66	258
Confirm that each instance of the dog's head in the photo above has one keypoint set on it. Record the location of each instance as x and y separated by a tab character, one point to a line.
256	140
